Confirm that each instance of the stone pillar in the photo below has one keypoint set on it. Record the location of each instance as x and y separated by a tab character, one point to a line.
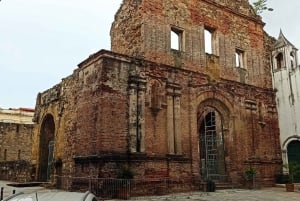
141	115
173	119
177	125
170	122
136	91
132	92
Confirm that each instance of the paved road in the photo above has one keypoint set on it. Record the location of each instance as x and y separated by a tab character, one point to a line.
267	194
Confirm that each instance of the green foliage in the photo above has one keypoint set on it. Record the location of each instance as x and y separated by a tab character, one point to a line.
294	169
250	173
260	6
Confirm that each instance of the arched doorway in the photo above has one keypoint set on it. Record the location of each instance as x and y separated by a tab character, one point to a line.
46	148
293	149
211	144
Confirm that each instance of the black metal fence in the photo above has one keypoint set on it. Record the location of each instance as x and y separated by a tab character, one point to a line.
125	188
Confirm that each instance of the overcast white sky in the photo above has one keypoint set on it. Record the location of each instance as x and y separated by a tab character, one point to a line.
42	41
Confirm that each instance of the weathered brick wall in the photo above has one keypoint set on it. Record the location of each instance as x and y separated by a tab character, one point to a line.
143	28
143	108
95	132
17	171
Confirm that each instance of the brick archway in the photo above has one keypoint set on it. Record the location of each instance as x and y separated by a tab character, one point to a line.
213	122
46	147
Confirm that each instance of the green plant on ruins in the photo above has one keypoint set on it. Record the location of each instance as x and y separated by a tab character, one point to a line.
260	6
250	173
294	169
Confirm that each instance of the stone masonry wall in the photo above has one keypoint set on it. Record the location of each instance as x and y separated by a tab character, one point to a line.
143	28
15	150
16	141
96	141
142	105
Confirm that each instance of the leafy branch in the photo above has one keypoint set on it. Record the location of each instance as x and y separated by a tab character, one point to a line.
260	6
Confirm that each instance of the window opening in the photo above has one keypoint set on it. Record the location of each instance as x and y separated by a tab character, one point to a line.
239	58
279	61
18	128
19	154
292	58
176	39
208	41
5	155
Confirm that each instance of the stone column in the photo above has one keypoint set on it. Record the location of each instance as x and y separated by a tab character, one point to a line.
132	92
177	125
141	115
173	119
170	122
136	91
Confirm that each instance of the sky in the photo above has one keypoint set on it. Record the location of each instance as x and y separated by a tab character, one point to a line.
43	41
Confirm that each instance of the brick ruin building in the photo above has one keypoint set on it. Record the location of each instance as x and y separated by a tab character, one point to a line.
200	107
16	132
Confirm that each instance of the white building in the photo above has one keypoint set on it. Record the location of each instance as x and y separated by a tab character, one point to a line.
286	82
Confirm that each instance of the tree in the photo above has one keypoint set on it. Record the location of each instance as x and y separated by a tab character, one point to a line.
260	6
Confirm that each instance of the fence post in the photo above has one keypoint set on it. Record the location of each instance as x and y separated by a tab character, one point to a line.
1	196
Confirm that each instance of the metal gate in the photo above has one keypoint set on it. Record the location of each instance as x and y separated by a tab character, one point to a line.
50	159
212	148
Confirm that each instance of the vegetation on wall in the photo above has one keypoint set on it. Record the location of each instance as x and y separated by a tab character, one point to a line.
260	6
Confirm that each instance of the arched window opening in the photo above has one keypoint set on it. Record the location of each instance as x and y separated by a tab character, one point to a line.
279	61
292	58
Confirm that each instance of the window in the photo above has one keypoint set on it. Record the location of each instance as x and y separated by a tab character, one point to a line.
292	58
176	39
279	61
239	58
19	154
211	42
17	128
5	155
208	41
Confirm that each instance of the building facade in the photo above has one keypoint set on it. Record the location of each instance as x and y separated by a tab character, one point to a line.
16	133
185	92
286	75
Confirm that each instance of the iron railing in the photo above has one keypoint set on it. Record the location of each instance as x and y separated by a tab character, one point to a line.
110	188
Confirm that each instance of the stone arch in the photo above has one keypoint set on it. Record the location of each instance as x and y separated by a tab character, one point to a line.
293	155
288	140
46	147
